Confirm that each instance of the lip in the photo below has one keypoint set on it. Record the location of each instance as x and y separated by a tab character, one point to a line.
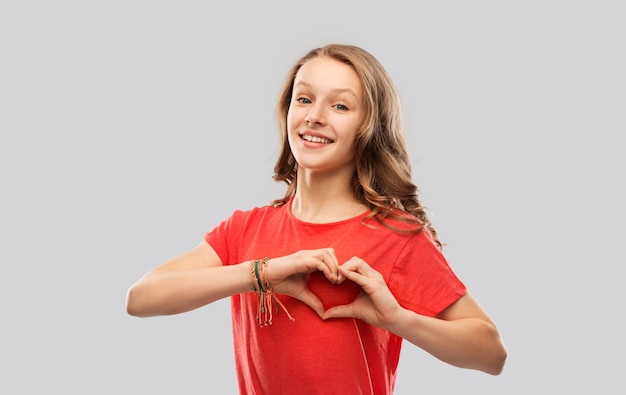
314	134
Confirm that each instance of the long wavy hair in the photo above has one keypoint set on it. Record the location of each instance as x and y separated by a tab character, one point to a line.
383	176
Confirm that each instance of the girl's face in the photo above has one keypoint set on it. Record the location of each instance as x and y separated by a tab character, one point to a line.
324	115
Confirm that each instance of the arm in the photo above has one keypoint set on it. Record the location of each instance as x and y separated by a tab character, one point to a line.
198	277
461	335
186	282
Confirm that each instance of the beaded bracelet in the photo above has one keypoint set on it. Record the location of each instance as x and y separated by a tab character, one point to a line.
262	287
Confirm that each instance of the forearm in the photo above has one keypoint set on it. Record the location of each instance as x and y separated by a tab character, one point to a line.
168	292
469	343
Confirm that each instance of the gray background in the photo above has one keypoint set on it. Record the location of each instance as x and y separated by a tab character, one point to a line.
130	128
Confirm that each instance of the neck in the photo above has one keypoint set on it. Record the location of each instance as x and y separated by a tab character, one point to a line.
322	198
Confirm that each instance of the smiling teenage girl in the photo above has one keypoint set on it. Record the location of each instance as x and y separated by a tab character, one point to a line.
326	282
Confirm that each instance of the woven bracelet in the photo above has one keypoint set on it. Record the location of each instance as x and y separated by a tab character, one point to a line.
267	298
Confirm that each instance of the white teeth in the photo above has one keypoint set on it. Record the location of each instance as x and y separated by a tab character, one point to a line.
315	139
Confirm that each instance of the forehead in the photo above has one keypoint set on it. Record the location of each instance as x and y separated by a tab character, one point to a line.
328	73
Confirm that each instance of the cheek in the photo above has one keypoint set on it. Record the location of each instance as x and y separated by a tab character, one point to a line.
292	120
350	135
291	125
292	136
349	128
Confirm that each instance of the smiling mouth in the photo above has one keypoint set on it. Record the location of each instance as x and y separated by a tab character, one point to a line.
315	139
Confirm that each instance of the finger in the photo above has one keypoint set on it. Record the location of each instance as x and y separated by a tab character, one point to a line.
340	311
318	263
352	273
331	264
311	300
360	272
330	257
359	265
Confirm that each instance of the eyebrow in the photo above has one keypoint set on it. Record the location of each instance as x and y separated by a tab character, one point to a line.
337	90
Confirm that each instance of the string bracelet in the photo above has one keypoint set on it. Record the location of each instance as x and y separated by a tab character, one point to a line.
256	286
268	301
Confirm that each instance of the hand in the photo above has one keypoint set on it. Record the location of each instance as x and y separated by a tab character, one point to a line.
287	274
375	305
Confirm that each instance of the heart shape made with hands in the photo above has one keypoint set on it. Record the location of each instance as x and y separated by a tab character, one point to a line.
332	294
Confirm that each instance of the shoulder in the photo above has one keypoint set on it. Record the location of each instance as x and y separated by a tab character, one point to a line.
400	220
258	210
255	214
400	225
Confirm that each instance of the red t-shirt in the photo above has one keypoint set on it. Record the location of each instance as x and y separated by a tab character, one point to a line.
338	356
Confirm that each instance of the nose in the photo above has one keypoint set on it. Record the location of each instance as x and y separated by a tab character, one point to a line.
314	116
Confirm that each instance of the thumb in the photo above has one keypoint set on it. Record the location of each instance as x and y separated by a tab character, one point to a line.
310	299
340	311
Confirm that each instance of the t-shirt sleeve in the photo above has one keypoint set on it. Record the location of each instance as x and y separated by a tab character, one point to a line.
222	236
422	280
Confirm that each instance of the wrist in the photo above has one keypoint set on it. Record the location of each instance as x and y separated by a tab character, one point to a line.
262	286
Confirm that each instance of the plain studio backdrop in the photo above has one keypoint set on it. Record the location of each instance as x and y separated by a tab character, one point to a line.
130	128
